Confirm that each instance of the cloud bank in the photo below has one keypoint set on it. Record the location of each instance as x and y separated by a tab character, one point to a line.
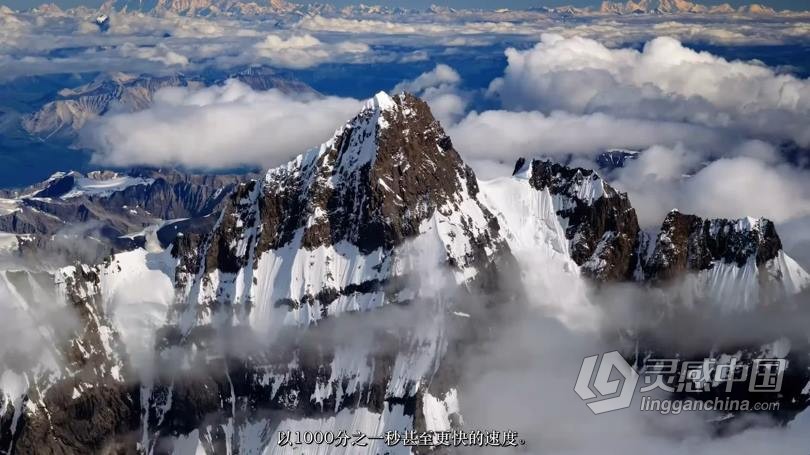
304	51
49	40
217	127
664	81
440	89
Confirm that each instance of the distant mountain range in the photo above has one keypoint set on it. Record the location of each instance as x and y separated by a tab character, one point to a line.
282	7
74	107
678	6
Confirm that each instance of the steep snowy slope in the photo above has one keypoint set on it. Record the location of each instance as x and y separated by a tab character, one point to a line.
732	263
567	211
537	237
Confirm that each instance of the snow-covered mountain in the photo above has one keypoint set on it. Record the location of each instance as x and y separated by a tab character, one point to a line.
733	261
341	291
202	7
677	6
281	7
321	235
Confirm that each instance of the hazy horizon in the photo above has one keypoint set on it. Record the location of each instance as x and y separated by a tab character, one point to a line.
776	4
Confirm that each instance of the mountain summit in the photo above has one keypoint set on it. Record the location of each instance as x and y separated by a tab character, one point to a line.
335	224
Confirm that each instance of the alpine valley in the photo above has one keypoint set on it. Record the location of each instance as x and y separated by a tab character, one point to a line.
160	312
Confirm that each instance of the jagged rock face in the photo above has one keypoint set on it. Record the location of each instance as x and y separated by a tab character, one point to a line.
738	261
346	227
613	159
602	226
690	243
733	264
370	198
331	232
249	324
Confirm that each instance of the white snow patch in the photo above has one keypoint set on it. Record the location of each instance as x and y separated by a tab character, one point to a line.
9	206
437	411
86	186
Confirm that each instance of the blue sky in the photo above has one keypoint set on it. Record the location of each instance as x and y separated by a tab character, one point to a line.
778	4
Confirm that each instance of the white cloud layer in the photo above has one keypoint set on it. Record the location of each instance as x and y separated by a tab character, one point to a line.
27	39
501	136
440	89
217	127
732	187
304	51
665	81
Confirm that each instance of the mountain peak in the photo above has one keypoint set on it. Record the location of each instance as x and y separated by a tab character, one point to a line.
381	101
387	192
389	167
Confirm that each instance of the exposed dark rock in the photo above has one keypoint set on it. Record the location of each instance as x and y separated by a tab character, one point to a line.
602	225
381	203
690	243
614	159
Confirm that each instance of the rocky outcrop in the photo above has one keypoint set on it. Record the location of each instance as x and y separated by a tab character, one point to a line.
383	215
604	239
600	224
688	243
74	380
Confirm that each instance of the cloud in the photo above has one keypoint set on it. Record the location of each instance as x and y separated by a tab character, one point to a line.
405	27
440	89
160	53
217	127
664	81
44	43
303	51
439	76
743	184
33	44
503	136
523	382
